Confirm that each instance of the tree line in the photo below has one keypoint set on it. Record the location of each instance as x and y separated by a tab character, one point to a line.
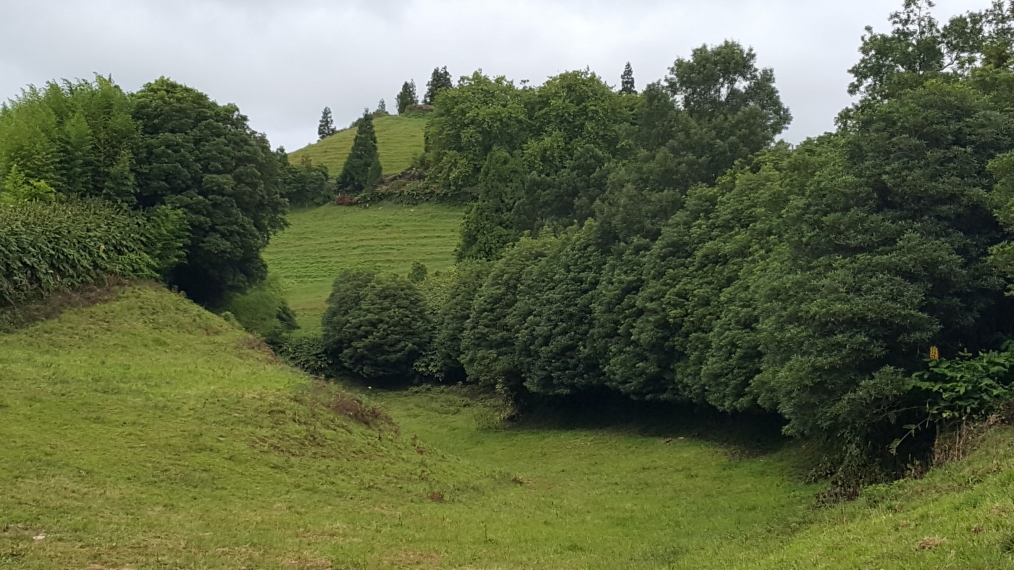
666	246
166	152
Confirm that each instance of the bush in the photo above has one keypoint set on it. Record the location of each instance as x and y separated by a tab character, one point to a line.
263	311
307	352
376	326
45	247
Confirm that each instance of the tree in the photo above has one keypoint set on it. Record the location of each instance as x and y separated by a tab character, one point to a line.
440	80
376	326
382	107
627	81
305	184
362	168
204	159
326	126
406	97
76	137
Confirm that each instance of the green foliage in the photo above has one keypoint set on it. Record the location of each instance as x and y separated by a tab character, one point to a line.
1002	201
204	159
263	311
78	138
17	188
376	325
306	184
362	170
968	388
627	85
439	81
418	272
46	247
536	157
406	97
326	126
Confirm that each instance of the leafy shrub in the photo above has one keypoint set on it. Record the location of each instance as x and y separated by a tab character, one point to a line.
305	184
263	311
376	326
306	352
45	247
968	388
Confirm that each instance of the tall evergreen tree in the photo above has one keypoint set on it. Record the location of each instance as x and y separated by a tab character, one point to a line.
362	168
627	81
439	81
326	127
407	96
382	107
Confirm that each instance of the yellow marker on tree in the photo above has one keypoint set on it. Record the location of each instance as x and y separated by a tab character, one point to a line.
934	353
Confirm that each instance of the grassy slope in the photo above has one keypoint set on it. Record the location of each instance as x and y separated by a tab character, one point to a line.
322	242
399	140
147	433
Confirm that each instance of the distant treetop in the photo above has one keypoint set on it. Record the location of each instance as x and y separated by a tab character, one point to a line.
440	80
627	81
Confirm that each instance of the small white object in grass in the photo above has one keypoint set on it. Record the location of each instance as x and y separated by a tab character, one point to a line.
39	537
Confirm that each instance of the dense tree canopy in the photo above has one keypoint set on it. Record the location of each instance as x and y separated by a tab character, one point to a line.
376	326
203	158
167	145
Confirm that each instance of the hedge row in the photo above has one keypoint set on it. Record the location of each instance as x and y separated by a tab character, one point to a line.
45	247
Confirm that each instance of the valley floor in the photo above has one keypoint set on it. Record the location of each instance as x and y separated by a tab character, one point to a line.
146	433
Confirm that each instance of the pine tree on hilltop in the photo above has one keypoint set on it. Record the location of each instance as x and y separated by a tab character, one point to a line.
382	107
326	126
407	96
439	81
627	81
362	169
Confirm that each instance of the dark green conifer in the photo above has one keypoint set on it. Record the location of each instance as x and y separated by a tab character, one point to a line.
627	81
407	96
362	168
326	126
439	81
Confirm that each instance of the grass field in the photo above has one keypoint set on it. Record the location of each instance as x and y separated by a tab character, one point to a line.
145	432
322	242
399	140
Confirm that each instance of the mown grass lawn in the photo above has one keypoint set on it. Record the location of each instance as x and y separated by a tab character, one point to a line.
399	140
322	242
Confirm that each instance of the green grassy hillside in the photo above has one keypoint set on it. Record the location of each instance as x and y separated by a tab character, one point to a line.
399	140
322	242
145	432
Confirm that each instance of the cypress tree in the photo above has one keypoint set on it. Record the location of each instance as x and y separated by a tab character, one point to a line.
326	126
407	96
439	81
627	81
362	168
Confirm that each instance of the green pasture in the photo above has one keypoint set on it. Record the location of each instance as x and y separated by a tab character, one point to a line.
145	432
399	140
322	242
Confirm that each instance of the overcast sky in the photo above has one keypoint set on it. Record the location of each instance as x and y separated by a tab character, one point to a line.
282	61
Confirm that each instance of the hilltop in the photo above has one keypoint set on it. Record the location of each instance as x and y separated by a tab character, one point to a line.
399	140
